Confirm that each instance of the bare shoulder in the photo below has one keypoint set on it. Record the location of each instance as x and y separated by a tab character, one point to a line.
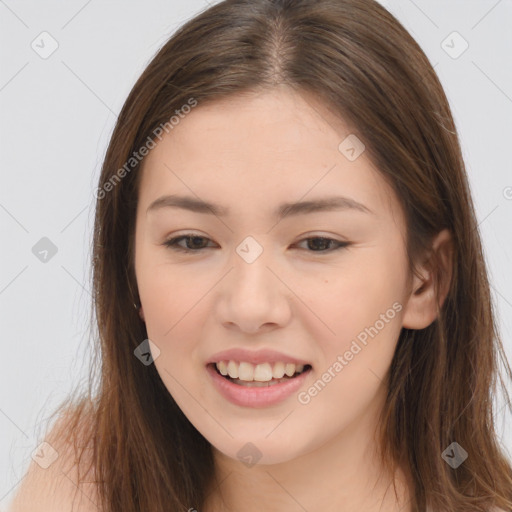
51	481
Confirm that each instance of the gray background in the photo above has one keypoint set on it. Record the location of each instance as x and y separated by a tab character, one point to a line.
57	114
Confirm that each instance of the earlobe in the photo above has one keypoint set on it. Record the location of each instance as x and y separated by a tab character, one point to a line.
141	314
423	305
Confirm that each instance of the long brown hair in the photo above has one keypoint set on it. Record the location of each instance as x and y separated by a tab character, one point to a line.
357	59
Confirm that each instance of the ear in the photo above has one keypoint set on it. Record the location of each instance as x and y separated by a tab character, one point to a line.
141	314
422	306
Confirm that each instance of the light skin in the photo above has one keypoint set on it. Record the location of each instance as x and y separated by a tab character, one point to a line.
250	154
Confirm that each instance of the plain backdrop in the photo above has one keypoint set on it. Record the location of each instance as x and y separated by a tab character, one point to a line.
57	113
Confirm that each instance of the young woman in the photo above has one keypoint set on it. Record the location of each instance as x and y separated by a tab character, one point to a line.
285	203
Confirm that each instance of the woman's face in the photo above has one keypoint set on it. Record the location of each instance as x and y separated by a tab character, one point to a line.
263	281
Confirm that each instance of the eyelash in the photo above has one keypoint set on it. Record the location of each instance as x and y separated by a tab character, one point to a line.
172	243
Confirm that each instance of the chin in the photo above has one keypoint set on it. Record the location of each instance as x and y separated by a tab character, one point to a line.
259	451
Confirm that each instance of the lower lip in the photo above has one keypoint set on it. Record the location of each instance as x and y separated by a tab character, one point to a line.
256	396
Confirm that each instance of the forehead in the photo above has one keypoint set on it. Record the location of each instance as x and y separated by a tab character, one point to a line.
260	150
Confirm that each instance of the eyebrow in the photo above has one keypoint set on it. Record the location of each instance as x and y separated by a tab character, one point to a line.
282	211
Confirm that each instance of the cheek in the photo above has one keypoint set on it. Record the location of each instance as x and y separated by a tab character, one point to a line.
173	313
361	305
169	295
174	316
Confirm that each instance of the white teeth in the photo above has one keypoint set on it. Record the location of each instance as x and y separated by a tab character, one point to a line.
278	370
289	369
263	372
246	371
233	369
223	367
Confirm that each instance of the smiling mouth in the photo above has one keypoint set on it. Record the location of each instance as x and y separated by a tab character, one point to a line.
264	375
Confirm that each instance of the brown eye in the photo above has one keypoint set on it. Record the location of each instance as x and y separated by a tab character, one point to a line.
193	243
323	244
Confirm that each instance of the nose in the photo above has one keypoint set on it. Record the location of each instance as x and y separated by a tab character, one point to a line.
253	296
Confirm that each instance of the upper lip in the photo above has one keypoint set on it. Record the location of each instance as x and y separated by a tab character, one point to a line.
254	356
